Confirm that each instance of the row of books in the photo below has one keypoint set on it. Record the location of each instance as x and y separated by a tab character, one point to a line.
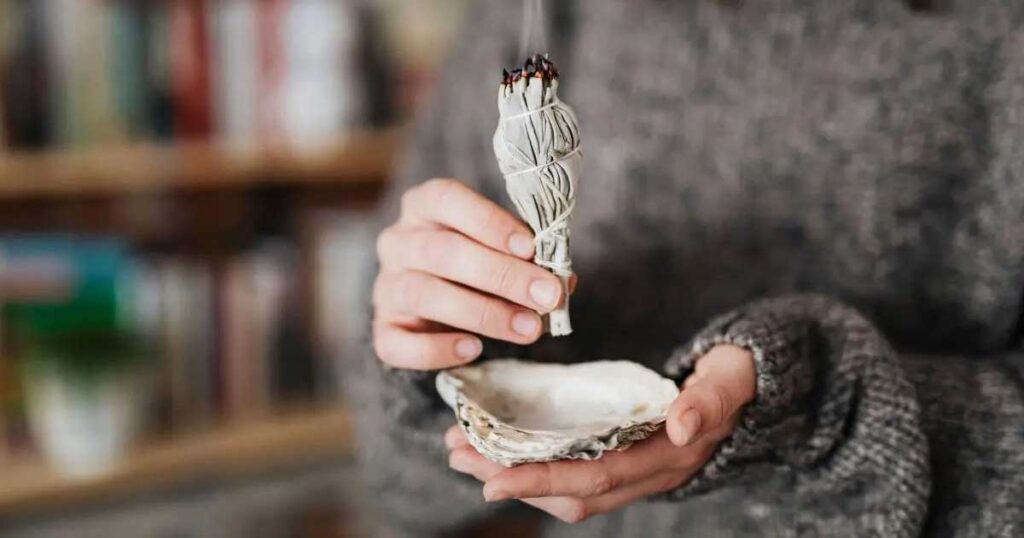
87	72
226	341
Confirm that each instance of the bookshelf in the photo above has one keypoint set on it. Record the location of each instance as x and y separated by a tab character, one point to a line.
361	159
230	451
213	166
231	448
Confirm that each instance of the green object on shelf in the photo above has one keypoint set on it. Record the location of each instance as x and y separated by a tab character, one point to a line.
66	309
61	283
82	356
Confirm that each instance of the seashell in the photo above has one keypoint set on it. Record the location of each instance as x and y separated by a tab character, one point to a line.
517	412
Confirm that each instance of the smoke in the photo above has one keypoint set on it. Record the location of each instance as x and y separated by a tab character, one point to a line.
534	39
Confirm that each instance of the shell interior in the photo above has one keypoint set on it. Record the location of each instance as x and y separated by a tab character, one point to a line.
517	412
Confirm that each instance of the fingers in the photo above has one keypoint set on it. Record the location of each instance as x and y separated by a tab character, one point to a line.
429	297
402	348
454	205
584	478
457	258
455	438
723	383
567	508
468	461
575	510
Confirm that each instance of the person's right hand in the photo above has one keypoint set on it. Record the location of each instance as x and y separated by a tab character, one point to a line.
455	264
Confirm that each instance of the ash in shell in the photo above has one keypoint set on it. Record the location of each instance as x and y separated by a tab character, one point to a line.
537	144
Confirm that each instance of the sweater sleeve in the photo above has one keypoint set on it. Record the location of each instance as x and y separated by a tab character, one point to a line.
895	446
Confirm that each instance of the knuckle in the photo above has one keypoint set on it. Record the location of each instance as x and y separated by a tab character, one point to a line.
602	483
424	251
721	406
410	198
488	316
384	242
439	189
444	249
408	291
378	295
541	486
504	279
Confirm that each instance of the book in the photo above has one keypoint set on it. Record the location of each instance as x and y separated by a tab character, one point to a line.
23	76
270	69
180	292
253	72
128	55
253	291
235	70
159	83
318	103
343	267
190	69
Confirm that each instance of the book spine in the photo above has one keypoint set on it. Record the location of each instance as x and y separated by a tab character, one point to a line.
270	70
317	102
235	70
159	83
190	69
128	66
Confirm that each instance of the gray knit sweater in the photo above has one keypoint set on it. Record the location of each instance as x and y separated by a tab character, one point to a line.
838	186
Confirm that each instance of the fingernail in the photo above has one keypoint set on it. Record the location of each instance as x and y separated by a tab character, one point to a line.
521	245
526	324
689	425
493	494
468	348
544	293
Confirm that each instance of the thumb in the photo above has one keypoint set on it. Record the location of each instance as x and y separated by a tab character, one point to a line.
723	384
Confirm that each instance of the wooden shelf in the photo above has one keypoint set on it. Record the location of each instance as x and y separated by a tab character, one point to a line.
360	159
31	486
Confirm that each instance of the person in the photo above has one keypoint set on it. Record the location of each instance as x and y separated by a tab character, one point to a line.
811	212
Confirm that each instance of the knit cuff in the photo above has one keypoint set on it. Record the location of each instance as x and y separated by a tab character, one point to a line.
780	340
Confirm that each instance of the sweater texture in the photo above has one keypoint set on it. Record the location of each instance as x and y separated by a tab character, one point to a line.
837	186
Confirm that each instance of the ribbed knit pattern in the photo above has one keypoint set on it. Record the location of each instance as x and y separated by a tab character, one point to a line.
838	186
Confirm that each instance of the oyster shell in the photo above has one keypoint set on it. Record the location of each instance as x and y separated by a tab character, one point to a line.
519	412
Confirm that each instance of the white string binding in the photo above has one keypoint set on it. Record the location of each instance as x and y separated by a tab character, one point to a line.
554	102
561	222
540	167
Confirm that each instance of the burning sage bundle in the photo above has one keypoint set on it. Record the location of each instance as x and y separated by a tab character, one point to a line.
537	144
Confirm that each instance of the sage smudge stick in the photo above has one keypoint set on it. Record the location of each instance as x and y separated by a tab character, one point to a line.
537	144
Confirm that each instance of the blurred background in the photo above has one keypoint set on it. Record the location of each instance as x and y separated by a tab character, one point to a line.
185	197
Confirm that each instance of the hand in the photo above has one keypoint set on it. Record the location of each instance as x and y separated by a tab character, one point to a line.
455	263
703	414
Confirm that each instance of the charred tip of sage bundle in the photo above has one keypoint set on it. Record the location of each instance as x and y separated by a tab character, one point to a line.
536	66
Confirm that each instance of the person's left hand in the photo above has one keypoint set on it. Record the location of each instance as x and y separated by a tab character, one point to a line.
703	414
